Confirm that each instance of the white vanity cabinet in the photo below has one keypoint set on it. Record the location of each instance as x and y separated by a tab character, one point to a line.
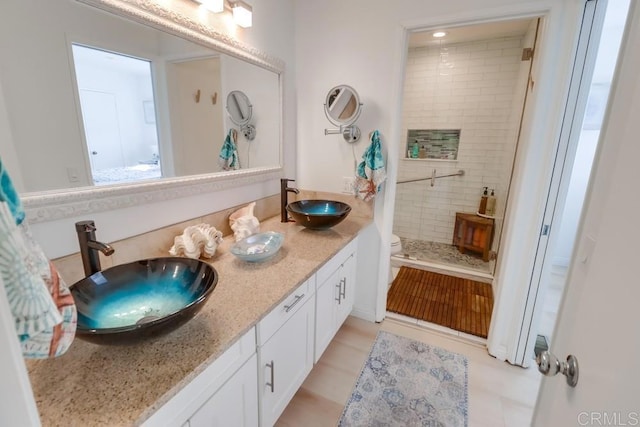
254	380
223	394
285	351
234	404
334	296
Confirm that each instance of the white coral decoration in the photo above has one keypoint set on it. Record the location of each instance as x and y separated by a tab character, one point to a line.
243	222
195	240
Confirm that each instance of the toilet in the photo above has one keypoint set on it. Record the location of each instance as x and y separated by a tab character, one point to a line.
396	249
396	245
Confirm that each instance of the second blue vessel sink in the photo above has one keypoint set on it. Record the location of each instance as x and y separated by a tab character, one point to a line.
128	302
318	214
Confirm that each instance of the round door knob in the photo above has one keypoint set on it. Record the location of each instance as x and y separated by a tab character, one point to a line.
550	365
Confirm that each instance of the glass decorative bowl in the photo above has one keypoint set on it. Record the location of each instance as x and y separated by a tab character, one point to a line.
258	247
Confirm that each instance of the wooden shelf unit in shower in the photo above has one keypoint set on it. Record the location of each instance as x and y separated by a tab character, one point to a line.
473	232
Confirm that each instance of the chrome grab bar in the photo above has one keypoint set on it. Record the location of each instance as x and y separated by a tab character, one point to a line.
433	177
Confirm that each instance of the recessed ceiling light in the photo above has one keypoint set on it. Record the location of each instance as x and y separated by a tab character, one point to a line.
439	34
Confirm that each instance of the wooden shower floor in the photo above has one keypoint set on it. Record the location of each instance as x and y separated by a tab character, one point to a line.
461	304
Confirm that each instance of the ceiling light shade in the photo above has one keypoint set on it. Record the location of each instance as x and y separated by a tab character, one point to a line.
242	13
439	34
215	6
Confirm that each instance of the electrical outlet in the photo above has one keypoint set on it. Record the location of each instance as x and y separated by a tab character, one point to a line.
347	184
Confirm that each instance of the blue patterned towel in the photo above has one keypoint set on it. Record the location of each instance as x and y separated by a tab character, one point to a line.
9	195
41	304
229	159
371	172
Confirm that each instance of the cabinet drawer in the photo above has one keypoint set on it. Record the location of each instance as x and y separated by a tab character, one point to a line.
334	263
283	311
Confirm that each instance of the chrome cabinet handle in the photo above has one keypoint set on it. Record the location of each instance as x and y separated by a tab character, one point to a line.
338	287
287	308
343	287
271	384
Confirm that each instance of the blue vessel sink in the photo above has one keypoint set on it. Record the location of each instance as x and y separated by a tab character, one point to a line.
318	214
129	302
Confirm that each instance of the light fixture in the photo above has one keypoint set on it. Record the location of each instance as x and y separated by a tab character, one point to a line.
215	6
242	13
439	34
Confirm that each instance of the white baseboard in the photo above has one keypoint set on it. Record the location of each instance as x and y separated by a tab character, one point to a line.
367	315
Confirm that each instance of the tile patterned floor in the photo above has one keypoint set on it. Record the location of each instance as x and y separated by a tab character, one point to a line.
445	254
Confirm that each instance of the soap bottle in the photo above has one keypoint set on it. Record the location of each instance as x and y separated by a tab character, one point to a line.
423	153
483	201
415	150
491	204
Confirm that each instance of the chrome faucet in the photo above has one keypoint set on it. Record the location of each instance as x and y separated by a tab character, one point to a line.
89	247
284	196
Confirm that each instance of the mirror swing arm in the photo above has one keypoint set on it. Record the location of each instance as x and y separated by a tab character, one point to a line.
350	133
342	108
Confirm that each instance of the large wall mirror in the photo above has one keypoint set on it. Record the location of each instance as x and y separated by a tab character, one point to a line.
127	100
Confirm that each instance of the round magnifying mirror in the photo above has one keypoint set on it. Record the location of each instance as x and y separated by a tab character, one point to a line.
342	105
239	107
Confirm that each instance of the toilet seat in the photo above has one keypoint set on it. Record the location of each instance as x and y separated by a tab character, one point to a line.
396	245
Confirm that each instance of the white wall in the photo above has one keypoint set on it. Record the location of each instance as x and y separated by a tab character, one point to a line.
475	91
196	126
261	88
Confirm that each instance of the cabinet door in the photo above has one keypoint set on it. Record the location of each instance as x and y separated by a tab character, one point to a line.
326	312
285	361
346	285
234	404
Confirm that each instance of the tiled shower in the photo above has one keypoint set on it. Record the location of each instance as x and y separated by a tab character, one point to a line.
477	87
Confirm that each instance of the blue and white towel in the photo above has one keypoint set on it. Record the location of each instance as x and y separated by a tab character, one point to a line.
229	159
371	172
41	304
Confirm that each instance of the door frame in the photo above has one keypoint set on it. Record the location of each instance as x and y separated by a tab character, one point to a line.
582	73
533	159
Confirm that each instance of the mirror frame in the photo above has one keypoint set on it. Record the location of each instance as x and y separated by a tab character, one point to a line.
57	204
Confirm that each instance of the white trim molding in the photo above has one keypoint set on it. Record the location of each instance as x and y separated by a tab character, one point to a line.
53	205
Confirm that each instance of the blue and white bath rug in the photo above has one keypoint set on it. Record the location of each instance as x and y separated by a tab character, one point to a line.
409	383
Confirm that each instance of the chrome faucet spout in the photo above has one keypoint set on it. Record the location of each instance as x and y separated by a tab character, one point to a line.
105	248
284	198
89	247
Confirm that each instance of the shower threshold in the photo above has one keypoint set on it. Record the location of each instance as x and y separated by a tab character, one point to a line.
442	258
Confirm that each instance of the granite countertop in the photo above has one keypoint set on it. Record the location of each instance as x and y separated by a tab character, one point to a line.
97	385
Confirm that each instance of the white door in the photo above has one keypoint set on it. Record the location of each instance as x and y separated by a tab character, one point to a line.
600	312
101	129
599	41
